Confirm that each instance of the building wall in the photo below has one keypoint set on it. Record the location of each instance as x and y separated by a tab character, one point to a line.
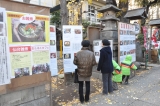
86	10
57	2
48	3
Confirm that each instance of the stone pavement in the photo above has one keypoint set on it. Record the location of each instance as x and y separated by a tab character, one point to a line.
143	90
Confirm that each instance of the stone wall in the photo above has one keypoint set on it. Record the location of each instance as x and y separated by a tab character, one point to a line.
35	96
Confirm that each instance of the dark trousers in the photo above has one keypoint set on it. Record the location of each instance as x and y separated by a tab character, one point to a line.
127	77
81	90
107	83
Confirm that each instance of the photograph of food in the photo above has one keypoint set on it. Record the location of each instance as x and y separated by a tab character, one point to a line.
67	43
96	53
77	31
1	29
31	32
125	42
52	42
124	32
52	55
96	44
128	52
121	53
67	56
121	32
52	29
121	42
67	30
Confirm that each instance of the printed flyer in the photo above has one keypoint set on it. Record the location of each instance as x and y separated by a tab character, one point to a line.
127	41
72	38
26	28
53	51
40	58
20	58
97	46
4	62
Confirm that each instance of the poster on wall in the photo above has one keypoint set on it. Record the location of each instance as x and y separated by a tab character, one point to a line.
26	28
4	62
40	58
29	43
20	59
97	46
72	38
126	41
53	51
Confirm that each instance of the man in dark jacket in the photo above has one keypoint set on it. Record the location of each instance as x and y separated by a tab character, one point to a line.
106	66
84	60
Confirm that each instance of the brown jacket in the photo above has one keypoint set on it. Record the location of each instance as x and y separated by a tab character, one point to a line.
85	60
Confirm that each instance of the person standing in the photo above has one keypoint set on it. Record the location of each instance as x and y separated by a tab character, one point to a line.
84	60
106	66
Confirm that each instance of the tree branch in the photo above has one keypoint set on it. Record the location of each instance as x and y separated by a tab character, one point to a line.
150	3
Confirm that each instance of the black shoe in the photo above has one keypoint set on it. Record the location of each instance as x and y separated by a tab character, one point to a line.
86	98
81	97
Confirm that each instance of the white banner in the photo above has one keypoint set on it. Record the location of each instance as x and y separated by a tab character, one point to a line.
127	41
4	62
72	38
53	51
97	46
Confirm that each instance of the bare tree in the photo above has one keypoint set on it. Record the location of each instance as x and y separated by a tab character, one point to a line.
63	12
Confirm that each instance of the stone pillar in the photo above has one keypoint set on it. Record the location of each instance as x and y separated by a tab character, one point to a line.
110	31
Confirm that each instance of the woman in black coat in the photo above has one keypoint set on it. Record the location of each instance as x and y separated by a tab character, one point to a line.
106	66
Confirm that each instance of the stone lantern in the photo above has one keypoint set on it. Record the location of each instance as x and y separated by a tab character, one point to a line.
110	31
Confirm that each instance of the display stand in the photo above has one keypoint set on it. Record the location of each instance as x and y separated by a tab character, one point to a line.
27	85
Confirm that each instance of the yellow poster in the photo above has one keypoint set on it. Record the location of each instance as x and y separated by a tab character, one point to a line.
20	57
40	59
26	28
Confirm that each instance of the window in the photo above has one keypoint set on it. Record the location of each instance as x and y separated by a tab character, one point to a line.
93	15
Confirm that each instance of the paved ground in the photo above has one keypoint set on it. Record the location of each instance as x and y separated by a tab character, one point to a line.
143	90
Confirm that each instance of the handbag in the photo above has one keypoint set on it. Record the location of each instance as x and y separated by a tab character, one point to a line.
76	76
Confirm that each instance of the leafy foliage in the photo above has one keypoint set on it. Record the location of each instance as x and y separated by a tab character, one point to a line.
140	38
56	18
85	24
